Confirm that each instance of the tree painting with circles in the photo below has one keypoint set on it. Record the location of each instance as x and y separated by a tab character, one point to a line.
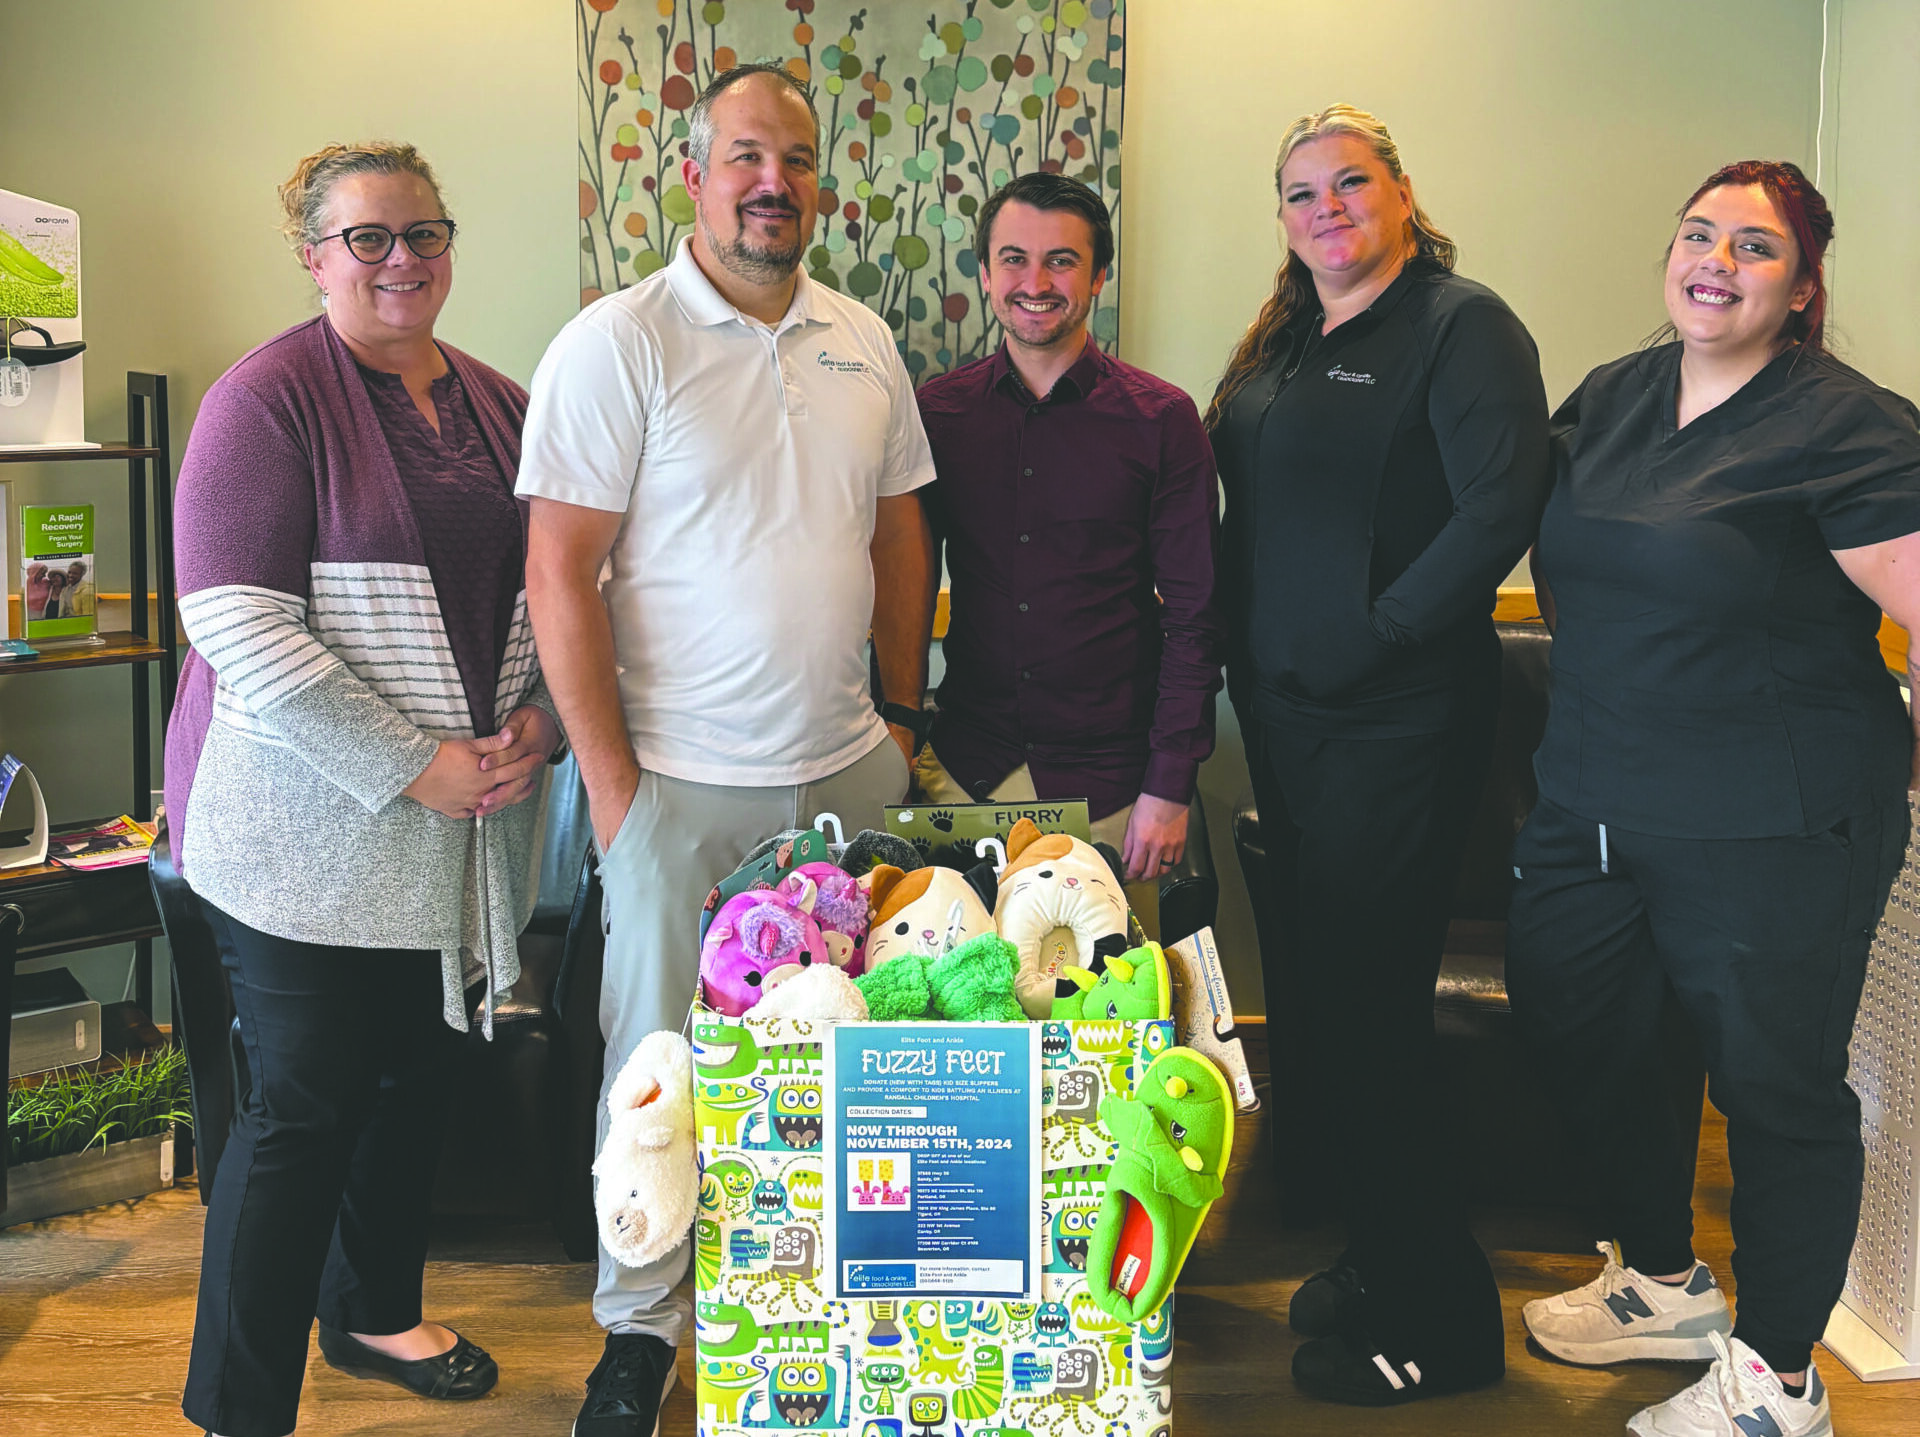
925	109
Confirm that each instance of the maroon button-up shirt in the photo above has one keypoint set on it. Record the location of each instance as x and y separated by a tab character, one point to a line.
1061	518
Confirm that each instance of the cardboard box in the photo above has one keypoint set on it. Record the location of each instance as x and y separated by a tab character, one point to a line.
775	1353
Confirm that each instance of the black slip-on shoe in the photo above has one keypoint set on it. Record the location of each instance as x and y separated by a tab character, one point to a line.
628	1387
460	1374
1351	1369
1327	1302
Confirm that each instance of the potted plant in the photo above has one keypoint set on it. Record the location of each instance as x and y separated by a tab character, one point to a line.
80	1137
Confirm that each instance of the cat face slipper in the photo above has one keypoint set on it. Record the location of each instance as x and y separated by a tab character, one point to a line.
1060	905
1175	1135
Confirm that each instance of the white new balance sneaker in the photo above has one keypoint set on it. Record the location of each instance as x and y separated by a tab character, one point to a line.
1739	1397
1625	1316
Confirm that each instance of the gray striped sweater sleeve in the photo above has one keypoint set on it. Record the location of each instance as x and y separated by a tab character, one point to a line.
281	685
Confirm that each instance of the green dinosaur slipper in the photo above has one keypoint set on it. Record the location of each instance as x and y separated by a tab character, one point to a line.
1175	1136
1134	986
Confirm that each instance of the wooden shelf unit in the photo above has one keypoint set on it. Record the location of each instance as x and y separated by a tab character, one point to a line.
62	911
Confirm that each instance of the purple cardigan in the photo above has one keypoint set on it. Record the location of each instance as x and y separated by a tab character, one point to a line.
321	679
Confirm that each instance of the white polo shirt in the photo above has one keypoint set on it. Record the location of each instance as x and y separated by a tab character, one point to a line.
747	460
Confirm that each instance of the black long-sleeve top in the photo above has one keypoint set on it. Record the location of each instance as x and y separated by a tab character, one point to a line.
1380	481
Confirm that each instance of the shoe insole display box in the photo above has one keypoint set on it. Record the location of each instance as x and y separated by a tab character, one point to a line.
777	1349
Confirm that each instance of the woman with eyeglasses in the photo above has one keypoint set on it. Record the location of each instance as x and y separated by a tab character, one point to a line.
357	730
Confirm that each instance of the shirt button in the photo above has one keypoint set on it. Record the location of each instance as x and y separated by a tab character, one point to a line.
1024	538
1027	472
1026	673
1023	608
1028	747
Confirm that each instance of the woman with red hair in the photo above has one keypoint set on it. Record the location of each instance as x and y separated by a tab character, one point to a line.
1723	796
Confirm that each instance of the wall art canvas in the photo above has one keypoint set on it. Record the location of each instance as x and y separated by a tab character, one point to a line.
925	110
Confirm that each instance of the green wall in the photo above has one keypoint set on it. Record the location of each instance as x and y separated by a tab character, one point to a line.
168	127
1872	146
1552	138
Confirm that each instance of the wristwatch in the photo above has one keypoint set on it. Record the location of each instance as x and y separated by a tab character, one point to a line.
918	722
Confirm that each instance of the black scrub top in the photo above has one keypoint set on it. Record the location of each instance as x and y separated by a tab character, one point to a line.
1380	481
1715	673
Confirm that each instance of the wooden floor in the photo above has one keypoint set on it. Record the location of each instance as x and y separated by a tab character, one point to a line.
96	1312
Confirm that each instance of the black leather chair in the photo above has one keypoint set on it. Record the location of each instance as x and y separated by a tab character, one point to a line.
1511	1145
520	1139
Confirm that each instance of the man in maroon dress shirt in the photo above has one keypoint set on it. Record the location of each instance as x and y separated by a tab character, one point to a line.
1076	499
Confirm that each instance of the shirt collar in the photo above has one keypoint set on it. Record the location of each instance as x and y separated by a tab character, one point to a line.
706	306
1082	374
1384	303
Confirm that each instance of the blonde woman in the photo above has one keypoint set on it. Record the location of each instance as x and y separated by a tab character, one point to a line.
1382	437
358	725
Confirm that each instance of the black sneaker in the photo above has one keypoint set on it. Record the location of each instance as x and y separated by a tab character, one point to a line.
1349	1367
626	1391
1327	1302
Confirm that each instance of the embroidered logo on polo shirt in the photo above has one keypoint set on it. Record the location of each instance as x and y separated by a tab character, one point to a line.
1348	376
844	366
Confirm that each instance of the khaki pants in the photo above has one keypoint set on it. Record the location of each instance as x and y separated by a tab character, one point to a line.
678	840
936	785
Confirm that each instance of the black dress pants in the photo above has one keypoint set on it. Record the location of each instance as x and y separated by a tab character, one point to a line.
320	1204
1765	942
1364	838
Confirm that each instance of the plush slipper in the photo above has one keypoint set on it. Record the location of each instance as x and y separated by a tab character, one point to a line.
646	1178
820	990
870	848
1351	1368
1134	986
1175	1135
1059	903
974	983
897	991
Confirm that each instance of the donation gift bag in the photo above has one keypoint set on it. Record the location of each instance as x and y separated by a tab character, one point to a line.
925	1354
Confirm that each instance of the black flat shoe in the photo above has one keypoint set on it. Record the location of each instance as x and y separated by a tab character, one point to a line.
460	1374
1328	1302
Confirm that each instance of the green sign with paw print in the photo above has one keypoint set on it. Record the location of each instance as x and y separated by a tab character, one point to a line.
930	826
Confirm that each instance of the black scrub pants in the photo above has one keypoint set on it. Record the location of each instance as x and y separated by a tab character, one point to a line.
1765	942
1364	839
320	1204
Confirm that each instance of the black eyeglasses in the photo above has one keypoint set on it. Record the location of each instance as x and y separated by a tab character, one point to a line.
372	243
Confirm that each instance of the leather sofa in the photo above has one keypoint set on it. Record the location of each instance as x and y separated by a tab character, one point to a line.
1511	1146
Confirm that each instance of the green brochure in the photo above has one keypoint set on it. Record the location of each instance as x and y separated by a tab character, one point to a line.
56	571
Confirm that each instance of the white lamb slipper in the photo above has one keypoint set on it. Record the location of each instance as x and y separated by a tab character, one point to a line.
1054	882
647	1179
820	990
